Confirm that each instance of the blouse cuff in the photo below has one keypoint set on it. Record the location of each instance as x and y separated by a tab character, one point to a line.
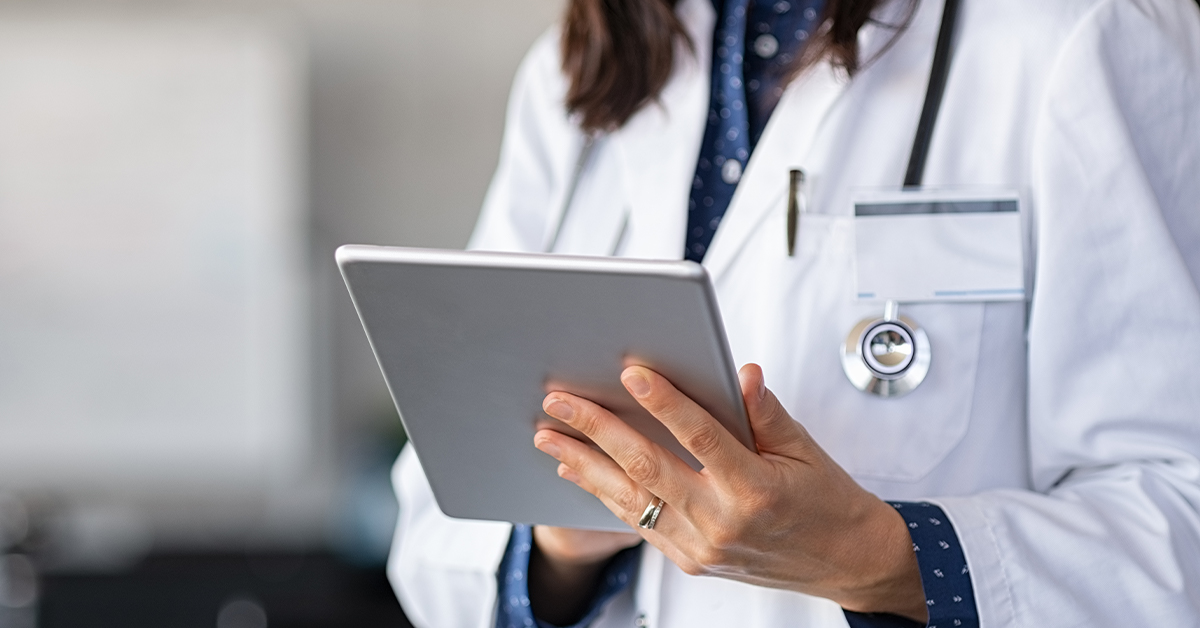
513	609
949	595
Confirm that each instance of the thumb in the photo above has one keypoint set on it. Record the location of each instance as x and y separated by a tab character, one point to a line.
775	431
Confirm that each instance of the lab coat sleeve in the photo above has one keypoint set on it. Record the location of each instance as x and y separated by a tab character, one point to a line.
442	569
537	156
1111	534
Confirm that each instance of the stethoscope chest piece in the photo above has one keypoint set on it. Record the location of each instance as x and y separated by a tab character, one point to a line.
888	356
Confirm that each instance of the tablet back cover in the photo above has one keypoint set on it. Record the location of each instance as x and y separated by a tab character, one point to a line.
470	343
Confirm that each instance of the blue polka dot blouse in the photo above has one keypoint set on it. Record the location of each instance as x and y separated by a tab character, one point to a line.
755	44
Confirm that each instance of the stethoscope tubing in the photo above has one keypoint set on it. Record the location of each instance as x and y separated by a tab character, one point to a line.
938	75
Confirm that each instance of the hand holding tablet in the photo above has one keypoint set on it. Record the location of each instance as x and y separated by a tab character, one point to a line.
470	343
631	355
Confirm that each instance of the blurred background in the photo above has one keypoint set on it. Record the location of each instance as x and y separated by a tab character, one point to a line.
193	430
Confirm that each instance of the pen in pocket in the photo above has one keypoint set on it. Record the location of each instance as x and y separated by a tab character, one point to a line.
797	204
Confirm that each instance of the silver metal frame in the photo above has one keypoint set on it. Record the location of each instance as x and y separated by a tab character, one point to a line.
870	376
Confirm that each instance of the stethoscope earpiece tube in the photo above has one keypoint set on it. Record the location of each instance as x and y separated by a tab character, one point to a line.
938	75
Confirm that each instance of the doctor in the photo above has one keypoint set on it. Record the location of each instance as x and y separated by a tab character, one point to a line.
1045	471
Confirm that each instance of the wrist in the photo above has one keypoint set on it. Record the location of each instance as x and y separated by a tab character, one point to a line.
572	549
564	573
885	576
561	580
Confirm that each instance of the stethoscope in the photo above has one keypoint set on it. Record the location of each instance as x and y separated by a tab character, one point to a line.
887	356
890	356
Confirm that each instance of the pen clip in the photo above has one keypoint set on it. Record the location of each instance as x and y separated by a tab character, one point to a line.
796	196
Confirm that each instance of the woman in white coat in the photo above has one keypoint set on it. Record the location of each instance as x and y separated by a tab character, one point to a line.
1057	438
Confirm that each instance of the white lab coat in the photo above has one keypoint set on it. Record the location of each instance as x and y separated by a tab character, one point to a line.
1061	436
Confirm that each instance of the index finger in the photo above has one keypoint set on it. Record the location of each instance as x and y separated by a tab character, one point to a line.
639	459
692	425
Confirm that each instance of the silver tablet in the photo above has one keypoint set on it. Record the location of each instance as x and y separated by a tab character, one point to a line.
471	342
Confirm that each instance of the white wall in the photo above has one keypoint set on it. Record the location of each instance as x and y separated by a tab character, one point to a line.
404	112
153	276
408	107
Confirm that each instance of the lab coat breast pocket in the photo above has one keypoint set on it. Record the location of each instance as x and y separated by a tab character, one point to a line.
904	438
792	316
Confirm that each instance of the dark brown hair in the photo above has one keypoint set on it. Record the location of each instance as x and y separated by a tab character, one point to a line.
619	54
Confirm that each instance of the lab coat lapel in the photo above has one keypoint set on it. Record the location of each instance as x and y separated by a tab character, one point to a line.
795	128
785	144
659	146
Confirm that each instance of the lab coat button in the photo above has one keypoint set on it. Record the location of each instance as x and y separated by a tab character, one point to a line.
766	46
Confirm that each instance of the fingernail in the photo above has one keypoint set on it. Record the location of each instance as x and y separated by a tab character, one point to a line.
762	388
559	409
636	384
549	449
